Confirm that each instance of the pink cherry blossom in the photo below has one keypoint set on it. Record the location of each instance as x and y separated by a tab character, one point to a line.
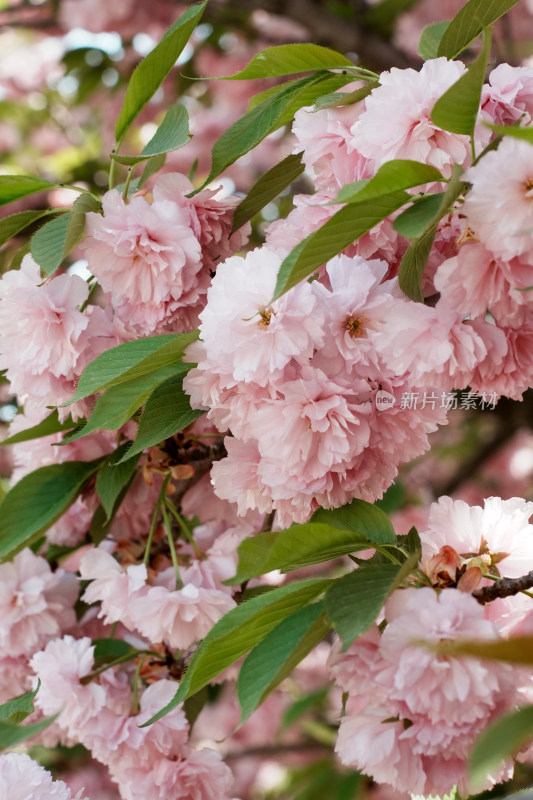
499	532
508	97
36	604
498	206
21	778
146	256
397	123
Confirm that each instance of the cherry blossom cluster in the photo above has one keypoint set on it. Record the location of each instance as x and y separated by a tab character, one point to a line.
412	717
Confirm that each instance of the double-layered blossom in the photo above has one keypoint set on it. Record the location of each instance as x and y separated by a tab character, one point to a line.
21	778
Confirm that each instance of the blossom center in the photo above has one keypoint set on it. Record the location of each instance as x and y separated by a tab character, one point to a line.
528	185
355	325
265	317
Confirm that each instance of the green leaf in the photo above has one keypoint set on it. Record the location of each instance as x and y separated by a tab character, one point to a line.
20	707
390	177
526	133
412	222
152	166
167	411
504	738
415	258
354	601
299	546
469	23
306	703
48	244
238	632
267	188
382	16
278	654
120	402
36	501
345	98
515	650
47	427
194	704
290	59
106	650
113	477
131	360
76	221
274	111
11	734
343	228
360	516
172	134
457	110
153	69
13	187
15	223
428	45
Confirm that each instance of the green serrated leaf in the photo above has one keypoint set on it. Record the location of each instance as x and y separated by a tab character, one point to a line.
131	360
275	110
354	601
76	223
15	223
120	402
469	23
17	709
457	110
299	546
393	176
278	654
290	59
11	734
515	650
504	738
14	187
306	703
428	45
106	650
167	411
47	427
153	165
36	501
267	188
368	519
415	258
343	228
153	69
113	477
345	98
517	132
238	632
412	222
172	134
48	244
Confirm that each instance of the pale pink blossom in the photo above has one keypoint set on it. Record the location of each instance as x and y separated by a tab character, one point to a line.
397	120
146	256
211	216
179	617
508	97
328	152
36	604
498	207
41	332
499	533
248	336
112	586
476	281
21	778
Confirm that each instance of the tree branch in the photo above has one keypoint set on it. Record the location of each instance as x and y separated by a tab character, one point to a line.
506	587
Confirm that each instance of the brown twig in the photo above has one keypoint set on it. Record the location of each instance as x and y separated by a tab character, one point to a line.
280	749
505	587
